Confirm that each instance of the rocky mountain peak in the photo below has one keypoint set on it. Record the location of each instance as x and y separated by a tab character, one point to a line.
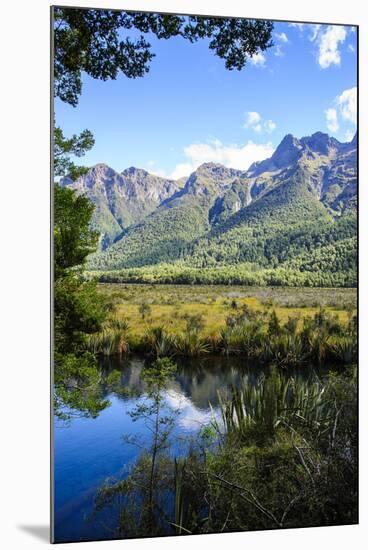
132	171
287	152
217	171
102	170
209	178
208	166
321	143
98	176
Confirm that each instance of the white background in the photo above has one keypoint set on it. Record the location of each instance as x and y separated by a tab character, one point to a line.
24	305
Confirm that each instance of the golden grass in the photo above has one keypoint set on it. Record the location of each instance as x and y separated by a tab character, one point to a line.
169	304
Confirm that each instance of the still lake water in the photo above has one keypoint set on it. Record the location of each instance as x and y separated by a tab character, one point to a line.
88	451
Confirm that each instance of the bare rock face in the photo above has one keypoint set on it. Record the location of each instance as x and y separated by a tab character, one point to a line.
146	188
121	199
210	179
329	168
321	143
288	152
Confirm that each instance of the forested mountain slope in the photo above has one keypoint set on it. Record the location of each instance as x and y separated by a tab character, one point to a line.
121	199
295	211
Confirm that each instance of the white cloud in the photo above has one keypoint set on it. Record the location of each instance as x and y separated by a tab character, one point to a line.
181	170
328	42
328	39
269	126
314	32
190	417
254	122
282	37
344	110
347	103
232	156
279	52
258	60
349	135
331	120
351	48
299	26
252	118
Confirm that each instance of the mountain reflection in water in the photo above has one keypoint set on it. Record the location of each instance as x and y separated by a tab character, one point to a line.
87	450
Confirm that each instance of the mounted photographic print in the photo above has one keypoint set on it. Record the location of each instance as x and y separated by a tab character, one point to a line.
205	274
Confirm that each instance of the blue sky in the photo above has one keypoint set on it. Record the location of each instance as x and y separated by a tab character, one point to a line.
189	109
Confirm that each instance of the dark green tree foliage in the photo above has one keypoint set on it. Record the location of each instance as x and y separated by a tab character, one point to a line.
322	253
64	148
78	309
97	42
240	274
73	237
161	237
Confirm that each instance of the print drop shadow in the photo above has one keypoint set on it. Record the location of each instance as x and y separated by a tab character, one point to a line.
41	532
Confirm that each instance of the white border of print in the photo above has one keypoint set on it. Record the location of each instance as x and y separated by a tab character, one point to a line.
25	302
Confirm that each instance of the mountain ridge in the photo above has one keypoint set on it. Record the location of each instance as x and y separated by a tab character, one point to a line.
225	216
121	199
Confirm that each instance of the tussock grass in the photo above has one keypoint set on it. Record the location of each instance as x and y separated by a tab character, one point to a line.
279	326
108	342
274	401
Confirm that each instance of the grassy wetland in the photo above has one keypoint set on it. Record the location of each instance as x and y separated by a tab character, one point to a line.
285	326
